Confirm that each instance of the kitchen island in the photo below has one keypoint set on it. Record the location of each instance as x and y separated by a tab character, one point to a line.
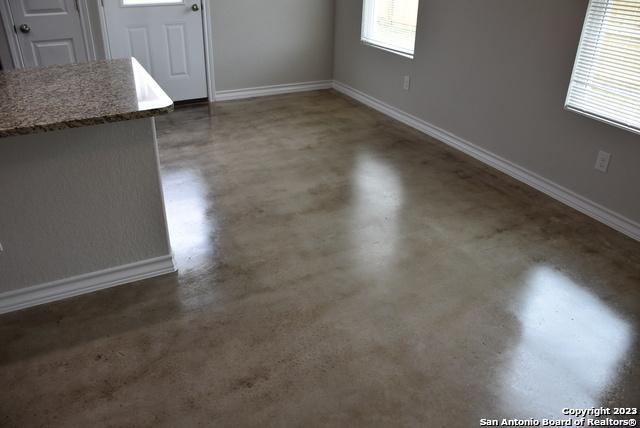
81	205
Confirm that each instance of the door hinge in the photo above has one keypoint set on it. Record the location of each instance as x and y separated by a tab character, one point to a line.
15	29
77	6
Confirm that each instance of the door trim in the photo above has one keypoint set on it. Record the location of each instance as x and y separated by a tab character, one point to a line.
12	38
207	32
207	29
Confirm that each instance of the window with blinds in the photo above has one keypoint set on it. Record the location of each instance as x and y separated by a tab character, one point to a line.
390	25
605	84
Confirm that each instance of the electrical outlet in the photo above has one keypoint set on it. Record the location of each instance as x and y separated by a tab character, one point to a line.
602	162
1	249
406	83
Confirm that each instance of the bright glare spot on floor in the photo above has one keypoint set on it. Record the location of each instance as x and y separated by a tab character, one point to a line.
570	345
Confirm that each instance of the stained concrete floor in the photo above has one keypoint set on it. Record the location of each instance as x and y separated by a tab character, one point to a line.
337	269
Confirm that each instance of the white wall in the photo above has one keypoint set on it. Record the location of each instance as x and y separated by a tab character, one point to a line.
496	72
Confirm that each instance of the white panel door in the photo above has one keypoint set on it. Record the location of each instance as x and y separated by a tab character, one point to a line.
49	32
166	37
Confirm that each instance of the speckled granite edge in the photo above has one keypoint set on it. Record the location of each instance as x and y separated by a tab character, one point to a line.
36	129
58	97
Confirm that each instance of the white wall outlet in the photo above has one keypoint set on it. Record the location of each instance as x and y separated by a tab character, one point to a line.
406	83
602	162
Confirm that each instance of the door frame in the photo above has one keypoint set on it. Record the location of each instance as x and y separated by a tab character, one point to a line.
5	51
11	36
207	33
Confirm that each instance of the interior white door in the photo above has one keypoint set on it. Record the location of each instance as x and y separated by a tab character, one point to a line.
166	37
49	32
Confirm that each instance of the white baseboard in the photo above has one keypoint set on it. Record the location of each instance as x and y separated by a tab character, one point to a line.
562	194
82	284
262	91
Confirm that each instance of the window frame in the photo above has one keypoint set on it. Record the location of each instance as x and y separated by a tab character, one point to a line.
581	111
152	3
366	17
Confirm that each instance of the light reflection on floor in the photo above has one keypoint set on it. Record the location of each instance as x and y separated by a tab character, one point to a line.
378	198
190	229
570	347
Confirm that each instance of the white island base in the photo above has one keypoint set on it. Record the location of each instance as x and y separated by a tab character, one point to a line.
81	210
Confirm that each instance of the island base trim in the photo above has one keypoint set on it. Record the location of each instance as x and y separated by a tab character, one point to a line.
86	283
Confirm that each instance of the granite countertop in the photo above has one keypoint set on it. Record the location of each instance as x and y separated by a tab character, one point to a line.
70	96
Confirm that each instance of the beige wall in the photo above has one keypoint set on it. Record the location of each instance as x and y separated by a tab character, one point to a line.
260	43
496	72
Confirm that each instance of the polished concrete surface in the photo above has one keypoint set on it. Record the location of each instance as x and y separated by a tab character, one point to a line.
337	269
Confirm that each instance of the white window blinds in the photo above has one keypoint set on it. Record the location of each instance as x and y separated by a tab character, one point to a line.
390	24
605	83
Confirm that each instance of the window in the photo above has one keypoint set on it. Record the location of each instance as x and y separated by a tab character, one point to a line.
605	84
390	25
150	2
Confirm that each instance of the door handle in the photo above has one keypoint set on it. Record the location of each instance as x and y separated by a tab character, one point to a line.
195	7
25	28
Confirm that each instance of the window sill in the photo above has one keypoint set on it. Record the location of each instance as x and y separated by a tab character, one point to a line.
601	119
386	49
